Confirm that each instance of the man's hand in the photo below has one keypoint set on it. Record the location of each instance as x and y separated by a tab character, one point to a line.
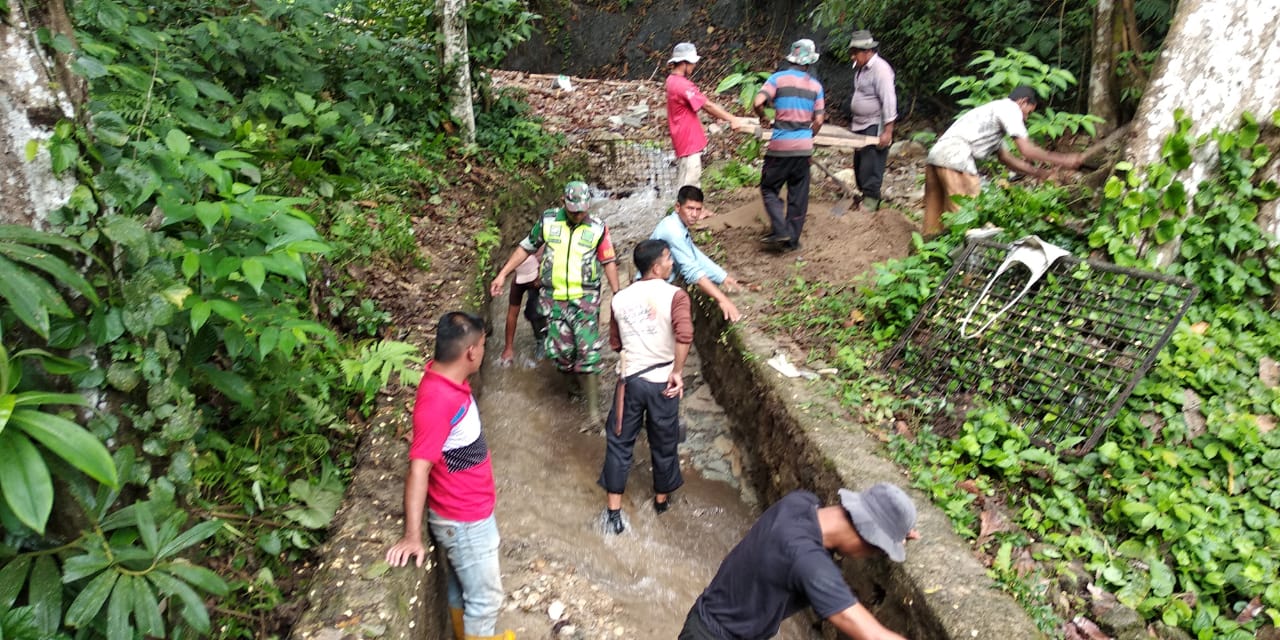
740	124
675	386
495	287
399	553
730	285
886	139
730	310
1074	160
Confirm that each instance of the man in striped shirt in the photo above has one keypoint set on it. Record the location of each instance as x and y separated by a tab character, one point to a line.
798	102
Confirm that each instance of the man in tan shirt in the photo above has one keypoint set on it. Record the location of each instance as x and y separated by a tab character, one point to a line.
653	328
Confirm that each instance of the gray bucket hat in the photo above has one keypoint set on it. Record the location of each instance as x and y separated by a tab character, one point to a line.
803	52
684	52
883	516
862	40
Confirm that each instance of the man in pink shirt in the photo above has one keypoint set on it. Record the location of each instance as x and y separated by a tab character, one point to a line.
684	100
449	456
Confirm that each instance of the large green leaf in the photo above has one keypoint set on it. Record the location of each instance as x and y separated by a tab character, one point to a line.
27	235
40	398
189	537
30	298
87	605
118	608
50	264
24	480
44	593
68	441
193	609
146	611
321	503
201	577
7	402
12	577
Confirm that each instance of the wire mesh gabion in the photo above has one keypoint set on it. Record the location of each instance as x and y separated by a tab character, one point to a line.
625	165
1065	356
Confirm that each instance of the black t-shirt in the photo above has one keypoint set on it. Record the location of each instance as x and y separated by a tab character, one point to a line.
779	568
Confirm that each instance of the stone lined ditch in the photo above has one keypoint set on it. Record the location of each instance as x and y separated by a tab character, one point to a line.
773	435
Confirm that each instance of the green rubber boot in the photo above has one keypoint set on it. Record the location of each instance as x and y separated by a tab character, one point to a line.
591	389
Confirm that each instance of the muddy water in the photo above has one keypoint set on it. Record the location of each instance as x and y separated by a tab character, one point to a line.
546	459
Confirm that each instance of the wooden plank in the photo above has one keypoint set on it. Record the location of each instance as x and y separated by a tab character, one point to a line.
829	136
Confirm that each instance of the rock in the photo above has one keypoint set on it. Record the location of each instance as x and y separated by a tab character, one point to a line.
723	445
1192	415
1269	372
1165	632
1120	619
568	631
556	610
906	149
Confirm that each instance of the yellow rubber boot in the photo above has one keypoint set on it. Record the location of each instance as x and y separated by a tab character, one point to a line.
458	631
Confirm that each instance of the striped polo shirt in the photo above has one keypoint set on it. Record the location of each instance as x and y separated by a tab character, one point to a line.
797	97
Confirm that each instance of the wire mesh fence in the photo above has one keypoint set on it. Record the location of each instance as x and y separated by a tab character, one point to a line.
622	166
1065	356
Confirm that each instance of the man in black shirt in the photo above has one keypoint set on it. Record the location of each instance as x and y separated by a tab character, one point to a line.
784	564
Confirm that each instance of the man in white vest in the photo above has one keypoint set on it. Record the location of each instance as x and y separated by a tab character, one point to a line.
652	328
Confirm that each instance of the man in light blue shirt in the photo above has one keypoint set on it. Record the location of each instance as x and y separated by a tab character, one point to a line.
694	265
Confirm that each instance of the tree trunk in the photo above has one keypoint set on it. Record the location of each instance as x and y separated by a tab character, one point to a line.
34	99
453	25
1102	92
1218	62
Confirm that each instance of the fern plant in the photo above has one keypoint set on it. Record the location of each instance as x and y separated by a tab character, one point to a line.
374	364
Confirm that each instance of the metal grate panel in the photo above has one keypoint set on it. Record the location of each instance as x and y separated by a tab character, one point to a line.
1067	355
623	166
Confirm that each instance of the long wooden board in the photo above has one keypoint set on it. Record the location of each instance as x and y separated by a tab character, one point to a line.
829	136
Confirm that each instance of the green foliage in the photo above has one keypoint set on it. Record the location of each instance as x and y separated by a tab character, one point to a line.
1001	74
746	82
26	254
123	577
733	174
1175	512
373	365
25	478
239	162
1220	246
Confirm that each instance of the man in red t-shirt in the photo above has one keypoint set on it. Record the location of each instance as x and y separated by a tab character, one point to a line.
683	102
449	455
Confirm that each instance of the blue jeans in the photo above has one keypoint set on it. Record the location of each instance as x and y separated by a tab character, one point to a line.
475	581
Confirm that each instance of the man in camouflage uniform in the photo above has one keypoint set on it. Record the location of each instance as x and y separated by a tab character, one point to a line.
578	249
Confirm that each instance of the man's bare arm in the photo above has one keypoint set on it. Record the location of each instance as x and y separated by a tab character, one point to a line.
415	503
858	623
729	309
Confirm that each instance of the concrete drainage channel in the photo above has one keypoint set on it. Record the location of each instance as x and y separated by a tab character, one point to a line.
941	591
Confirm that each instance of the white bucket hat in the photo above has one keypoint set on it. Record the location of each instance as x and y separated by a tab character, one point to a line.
684	52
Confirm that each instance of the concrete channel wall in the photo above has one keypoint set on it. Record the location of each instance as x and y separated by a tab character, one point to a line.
941	591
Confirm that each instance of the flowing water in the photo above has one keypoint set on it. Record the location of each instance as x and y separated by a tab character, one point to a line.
546	459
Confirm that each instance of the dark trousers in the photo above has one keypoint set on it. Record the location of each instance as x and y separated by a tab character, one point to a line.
868	165
794	173
695	628
643	405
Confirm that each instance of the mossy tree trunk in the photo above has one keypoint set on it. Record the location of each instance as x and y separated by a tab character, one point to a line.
39	90
1218	62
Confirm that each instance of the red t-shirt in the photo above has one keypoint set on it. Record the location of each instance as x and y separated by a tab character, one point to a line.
683	102
446	433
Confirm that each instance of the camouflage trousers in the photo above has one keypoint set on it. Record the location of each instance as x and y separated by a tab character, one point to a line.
573	332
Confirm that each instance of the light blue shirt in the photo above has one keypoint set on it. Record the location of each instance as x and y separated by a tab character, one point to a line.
692	262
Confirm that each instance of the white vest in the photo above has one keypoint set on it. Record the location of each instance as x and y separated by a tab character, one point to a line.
643	313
